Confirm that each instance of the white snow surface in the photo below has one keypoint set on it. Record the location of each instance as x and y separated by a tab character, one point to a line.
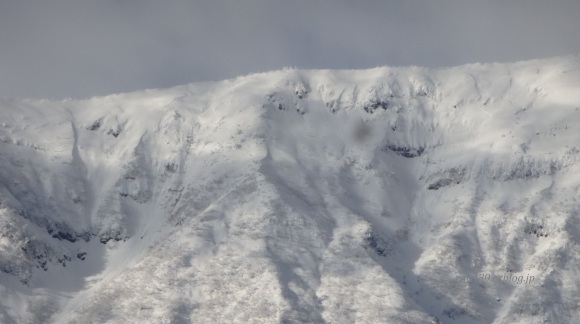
374	196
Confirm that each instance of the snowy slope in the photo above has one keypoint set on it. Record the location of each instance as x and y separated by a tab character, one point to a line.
391	195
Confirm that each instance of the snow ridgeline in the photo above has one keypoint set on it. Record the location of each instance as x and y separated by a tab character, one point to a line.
298	196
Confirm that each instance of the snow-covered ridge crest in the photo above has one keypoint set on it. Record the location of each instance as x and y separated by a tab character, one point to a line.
377	195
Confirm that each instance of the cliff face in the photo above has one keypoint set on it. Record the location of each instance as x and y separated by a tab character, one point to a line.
384	195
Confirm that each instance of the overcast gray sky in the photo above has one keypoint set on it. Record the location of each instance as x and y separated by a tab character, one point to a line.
82	48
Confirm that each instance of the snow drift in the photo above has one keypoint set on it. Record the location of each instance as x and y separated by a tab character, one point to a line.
390	195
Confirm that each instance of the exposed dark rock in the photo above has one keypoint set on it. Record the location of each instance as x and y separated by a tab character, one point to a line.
96	125
84	236
106	239
39	252
115	133
535	229
62	233
446	178
374	105
64	259
331	107
65	236
408	152
440	183
171	167
377	244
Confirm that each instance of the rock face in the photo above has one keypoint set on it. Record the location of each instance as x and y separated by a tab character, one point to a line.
376	196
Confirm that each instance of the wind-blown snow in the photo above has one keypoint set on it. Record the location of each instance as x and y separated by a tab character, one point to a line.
391	195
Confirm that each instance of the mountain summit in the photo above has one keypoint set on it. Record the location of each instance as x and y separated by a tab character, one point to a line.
390	195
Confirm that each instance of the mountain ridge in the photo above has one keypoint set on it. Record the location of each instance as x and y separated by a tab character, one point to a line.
297	196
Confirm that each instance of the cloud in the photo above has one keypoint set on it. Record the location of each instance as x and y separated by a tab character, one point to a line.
81	48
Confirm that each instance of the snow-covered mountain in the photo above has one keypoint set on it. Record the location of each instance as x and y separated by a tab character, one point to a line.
390	195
